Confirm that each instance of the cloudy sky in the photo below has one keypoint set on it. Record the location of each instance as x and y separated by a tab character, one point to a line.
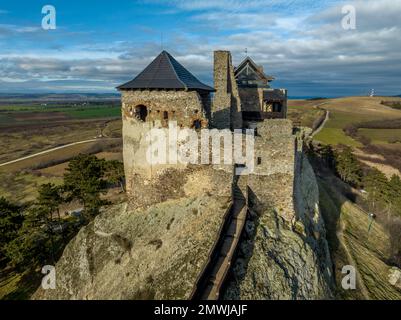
98	44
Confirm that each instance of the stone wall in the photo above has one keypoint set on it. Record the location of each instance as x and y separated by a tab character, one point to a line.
272	182
182	106
275	259
226	101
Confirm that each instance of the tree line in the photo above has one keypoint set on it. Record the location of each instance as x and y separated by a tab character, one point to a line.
383	195
36	233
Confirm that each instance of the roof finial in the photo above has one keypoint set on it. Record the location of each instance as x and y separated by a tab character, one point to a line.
161	42
246	52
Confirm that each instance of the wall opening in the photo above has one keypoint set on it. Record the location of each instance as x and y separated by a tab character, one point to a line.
196	124
276	107
141	112
165	115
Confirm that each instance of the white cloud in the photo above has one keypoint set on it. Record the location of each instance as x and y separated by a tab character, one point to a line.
309	51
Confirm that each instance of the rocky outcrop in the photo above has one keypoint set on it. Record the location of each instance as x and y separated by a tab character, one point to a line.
152	251
394	277
280	261
156	246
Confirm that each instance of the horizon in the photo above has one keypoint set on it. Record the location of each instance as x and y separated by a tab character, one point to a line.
118	94
302	44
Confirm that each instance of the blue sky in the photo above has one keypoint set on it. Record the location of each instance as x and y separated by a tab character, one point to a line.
98	45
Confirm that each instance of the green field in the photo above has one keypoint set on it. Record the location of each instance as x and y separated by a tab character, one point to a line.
355	110
336	136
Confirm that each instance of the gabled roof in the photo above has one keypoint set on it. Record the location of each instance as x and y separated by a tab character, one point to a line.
164	72
258	69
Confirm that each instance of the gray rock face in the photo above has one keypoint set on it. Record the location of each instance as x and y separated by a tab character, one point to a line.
276	261
156	248
394	277
152	253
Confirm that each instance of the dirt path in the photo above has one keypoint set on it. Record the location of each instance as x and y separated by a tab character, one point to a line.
318	129
48	151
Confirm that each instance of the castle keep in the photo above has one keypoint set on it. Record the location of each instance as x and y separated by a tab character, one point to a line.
241	99
165	91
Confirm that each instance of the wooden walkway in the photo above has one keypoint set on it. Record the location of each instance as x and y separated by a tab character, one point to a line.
212	279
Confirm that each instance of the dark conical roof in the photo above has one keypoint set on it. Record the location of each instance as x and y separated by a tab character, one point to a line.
164	72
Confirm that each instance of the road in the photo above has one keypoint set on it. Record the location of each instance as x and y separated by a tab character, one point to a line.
318	129
48	151
327	116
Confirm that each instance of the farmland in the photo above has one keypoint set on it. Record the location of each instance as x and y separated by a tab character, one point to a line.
30	127
377	138
353	110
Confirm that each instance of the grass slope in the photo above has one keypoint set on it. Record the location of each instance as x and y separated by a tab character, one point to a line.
351	244
345	111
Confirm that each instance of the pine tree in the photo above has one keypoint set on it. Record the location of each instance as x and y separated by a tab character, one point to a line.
115	173
35	243
11	220
377	186
348	167
84	181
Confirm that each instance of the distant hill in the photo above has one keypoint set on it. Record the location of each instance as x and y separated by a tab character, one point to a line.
59	96
18	98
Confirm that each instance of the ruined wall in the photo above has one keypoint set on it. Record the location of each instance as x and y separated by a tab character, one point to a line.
184	107
278	260
226	101
272	182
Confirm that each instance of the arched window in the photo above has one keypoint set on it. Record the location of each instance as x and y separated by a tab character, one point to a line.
165	115
197	124
141	112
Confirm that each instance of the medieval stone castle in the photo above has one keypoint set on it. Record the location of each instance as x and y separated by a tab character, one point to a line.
242	98
201	230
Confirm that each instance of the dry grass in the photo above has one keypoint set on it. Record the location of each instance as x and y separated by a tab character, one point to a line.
352	244
345	111
32	139
47	159
304	112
